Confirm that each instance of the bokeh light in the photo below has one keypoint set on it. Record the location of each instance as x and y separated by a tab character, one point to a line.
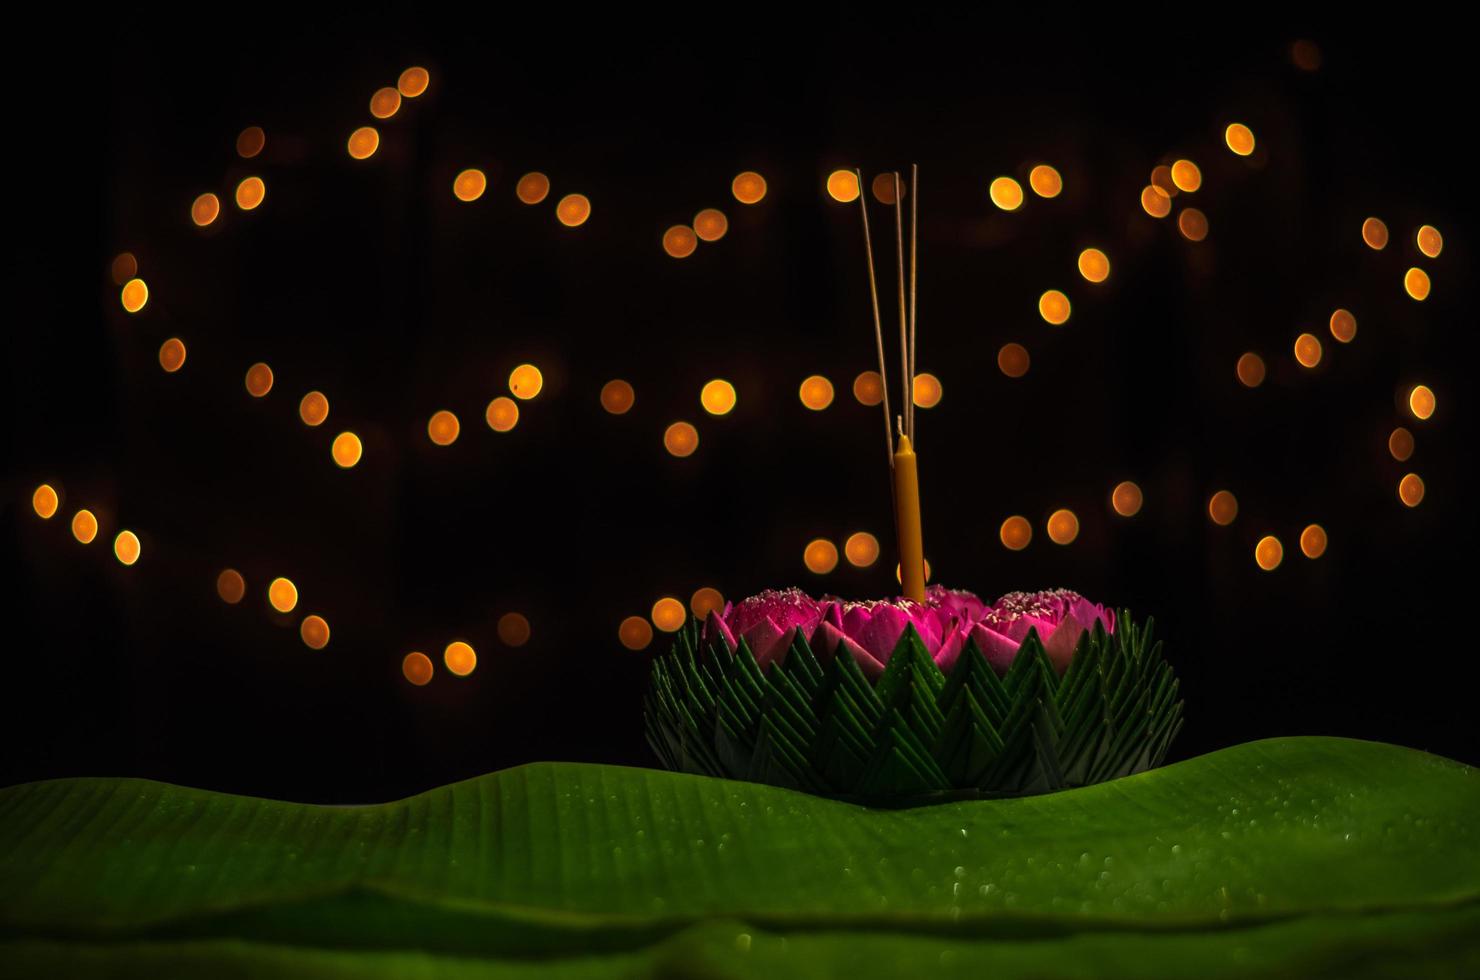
669	614
469	185
1375	233
1268	553
861	549
1126	498
1240	139
532	188
634	633
1223	508
1015	533
617	396
363	142
1013	360
1193	224
681	439
314	408
1063	526
84	526
526	381
1094	265
816	392
748	187
314	630
1006	193
258	380
126	547
680	241
868	388
1045	181
385	102
1430	242
230	586
346	450
460	658
1250	370
45	500
282	594
1161	179
1305	55
573	210
1186	176
1343	326
1411	490
1401	444
1422	401
205	209
413	82
928	390
502	414
704	601
842	186
123	268
711	224
820	556
1155	201
1053	306
927	572
250	142
1416	284
513	629
717	397
172	355
883	188
443	428
1308	350
1313	541
134	295
416	667
250	193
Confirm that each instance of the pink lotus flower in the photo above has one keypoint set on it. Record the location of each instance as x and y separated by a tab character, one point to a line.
871	630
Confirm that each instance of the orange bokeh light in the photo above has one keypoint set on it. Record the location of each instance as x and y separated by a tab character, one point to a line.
1126	498
1313	541
1015	533
1193	224
1430	242
258	380
711	224
314	630
1343	326
1006	193
314	408
1411	490
816	392
861	549
704	601
1013	360
413	82
573	210
45	501
205	209
1240	139
1223	508
1155	201
526	381
502	414
443	428
172	355
617	396
469	184
717	397
1186	176
126	547
346	450
1308	350
1416	284
385	102
1250	370
1422	402
842	186
532	188
1268	553
282	594
250	193
681	439
680	241
250	142
1053	306
1045	181
1063	526
1094	265
416	667
820	556
460	658
134	295
669	614
363	142
123	268
634	633
928	390
84	526
230	586
868	388
513	629
1375	233
883	188
748	187
1401	444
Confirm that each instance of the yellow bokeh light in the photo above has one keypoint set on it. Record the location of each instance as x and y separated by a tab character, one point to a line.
711	224
413	82
1053	306
1422	402
1416	284
842	186
230	586
250	193
868	388
706	600
1240	139
314	408
417	668
526	381
532	188
45	500
1094	265
634	633
469	184
748	187
385	102
928	390
1313	541
1186	176
314	630
861	549
1013	360
680	241
1268	553
282	594
681	439
1063	526
443	428
1223	508
460	658
1430	242
1250	370
134	295
258	380
1411	490
573	210
1193	224
502	414
1401	444
172	355
126	547
927	572
1006	193
617	396
1155	201
346	450
1015	533
1161	179
123	268
205	209
816	392
820	556
1308	350
513	629
1375	233
1045	181
250	142
1126	498
363	142
84	526
669	614
1343	326
717	397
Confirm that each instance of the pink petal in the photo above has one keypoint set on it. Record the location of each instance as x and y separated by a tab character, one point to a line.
828	638
998	649
715	626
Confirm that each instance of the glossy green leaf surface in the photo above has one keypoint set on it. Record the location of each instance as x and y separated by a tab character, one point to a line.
1286	857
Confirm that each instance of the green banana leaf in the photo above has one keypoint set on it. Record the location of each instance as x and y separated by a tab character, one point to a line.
1289	857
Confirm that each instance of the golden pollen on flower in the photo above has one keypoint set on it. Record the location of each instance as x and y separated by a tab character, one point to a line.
1308	350
1411	490
1422	402
134	295
634	633
314	408
250	193
230	586
526	381
1193	224
1155	201
748	187
842	186
1045	181
532	188
413	82
123	268
816	392
513	629
1186	176
314	630
1313	541
704	601
1250	370
820	556
617	396
363	142
1094	265
258	380
1240	139
469	185
282	594
502	414
1063	526
126	547
460	658
84	526
1343	326
717	397
1012	360
868	388
1430	242
250	141
861	549
681	439
443	428
680	241
45	501
1375	233
1015	533
669	614
1126	498
205	209
416	667
1400	444
928	390
711	224
1223	508
172	355
1416	284
1053	306
346	450
573	210
385	102
1006	193
1269	552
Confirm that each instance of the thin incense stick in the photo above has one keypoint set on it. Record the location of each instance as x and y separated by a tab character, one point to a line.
873	292
907	393
914	252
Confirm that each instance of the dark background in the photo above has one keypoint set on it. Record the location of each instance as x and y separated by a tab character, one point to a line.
367	280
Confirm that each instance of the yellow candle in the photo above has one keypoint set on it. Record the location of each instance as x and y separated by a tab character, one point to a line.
907	521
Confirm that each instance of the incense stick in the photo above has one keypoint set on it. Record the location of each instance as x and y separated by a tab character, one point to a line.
908	391
873	292
914	227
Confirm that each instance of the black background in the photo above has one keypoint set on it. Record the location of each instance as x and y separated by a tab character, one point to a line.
367	280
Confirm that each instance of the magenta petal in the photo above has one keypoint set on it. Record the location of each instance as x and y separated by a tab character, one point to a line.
880	635
998	649
1061	643
769	642
715	627
828	638
950	649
